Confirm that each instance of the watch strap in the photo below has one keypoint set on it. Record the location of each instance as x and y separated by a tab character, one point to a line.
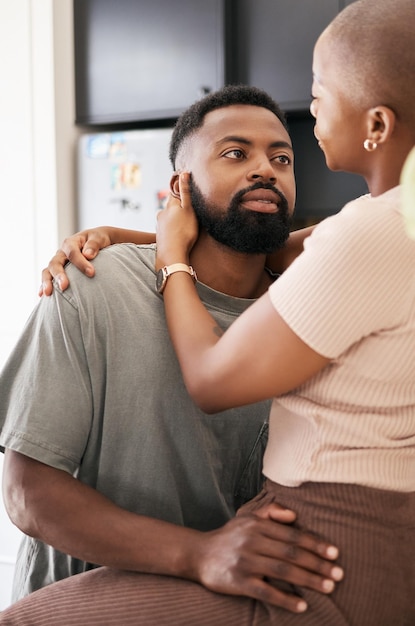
168	270
179	267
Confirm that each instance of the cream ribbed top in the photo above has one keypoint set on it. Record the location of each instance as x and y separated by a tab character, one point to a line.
351	297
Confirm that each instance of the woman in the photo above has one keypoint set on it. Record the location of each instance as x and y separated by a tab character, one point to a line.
334	338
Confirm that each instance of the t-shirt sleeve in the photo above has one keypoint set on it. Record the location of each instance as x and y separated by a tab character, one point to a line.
350	281
45	396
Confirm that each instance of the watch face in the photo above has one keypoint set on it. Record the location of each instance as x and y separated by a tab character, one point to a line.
160	280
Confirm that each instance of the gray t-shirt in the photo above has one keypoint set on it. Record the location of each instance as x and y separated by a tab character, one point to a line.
94	388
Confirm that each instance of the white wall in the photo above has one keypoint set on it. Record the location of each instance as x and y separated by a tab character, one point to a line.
37	179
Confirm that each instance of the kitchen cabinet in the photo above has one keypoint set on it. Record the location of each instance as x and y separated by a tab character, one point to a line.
275	41
138	60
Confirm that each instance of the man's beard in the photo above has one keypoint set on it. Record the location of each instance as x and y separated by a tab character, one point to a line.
241	229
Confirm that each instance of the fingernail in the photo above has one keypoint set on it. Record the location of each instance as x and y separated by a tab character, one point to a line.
89	251
301	606
332	552
337	573
328	585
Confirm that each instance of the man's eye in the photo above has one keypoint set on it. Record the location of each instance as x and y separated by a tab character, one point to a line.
283	158
234	154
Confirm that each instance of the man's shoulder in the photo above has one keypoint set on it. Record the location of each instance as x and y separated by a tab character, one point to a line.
117	258
116	269
127	253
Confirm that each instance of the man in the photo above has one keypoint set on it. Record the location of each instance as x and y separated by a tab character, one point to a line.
107	458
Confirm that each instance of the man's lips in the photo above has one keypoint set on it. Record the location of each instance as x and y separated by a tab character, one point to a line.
261	200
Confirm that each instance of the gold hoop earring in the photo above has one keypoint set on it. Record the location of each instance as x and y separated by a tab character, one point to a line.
370	145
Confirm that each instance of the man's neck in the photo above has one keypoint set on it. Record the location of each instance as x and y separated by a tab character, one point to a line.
230	272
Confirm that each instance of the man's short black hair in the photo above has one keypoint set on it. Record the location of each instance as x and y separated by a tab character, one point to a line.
193	117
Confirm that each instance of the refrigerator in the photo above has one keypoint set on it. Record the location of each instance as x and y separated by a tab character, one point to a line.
123	178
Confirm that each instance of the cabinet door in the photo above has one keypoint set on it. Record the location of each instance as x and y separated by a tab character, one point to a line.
139	59
275	41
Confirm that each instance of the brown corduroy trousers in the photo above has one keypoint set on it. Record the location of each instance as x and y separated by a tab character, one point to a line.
374	530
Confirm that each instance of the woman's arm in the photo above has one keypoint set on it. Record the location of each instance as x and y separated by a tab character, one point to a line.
258	357
279	260
84	246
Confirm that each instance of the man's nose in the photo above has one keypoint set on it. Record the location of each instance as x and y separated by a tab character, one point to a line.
263	170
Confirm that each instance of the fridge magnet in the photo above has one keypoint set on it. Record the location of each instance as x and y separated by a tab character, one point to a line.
126	175
98	146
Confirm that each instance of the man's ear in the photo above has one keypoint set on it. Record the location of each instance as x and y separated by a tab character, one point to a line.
174	185
381	122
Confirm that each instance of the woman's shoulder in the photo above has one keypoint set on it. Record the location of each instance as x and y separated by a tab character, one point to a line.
366	211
